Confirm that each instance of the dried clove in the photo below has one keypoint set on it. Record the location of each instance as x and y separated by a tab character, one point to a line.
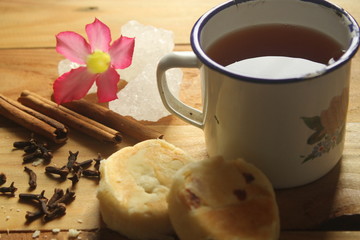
43	206
48	209
97	161
91	173
71	159
43	209
27	146
31	216
31	196
77	169
83	165
2	178
76	177
68	197
62	172
32	177
58	193
32	156
59	210
39	199
46	153
33	150
8	190
22	144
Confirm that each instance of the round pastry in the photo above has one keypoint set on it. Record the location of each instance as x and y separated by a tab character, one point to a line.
215	199
133	189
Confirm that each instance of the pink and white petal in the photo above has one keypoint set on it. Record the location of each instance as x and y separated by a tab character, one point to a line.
107	85
73	85
73	46
121	52
99	35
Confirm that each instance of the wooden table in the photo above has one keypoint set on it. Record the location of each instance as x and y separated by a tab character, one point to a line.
326	209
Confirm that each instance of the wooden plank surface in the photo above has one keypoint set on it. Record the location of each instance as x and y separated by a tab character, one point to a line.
314	205
34	23
28	60
107	235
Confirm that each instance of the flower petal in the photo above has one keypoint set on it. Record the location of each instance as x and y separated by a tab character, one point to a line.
99	35
73	46
73	85
107	85
121	52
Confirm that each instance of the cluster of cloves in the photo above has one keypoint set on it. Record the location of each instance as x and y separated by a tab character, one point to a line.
55	207
77	169
48	209
33	150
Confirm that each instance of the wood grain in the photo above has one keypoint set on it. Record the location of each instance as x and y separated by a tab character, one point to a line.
34	23
28	61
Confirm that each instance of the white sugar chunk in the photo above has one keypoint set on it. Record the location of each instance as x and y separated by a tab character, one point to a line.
151	44
73	233
36	234
56	230
37	162
140	98
66	65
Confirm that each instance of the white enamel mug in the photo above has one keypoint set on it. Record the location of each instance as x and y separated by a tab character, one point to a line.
291	128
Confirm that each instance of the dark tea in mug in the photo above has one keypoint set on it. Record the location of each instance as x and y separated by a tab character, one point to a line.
310	48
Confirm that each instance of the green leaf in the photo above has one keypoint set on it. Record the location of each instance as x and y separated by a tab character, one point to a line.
316	137
307	158
313	123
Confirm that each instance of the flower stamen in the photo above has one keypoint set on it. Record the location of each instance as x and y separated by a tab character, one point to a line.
98	62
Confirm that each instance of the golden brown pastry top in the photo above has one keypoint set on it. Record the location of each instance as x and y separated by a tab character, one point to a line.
225	199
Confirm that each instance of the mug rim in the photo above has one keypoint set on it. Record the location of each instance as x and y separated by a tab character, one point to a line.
201	22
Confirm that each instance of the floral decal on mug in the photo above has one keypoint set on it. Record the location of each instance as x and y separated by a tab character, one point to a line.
329	126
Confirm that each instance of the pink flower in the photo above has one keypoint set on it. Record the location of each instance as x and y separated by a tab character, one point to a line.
101	60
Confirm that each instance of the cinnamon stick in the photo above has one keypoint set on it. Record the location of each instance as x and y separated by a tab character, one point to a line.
110	118
70	118
34	121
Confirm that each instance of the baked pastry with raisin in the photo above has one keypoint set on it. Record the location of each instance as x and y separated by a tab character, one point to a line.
215	199
134	186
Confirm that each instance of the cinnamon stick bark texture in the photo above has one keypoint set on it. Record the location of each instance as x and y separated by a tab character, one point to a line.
114	120
35	121
70	118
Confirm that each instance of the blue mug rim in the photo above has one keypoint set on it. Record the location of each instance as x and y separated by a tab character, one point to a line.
201	22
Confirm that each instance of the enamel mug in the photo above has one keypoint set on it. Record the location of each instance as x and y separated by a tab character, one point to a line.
292	128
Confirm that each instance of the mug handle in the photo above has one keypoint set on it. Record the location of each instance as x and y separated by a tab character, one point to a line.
171	103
